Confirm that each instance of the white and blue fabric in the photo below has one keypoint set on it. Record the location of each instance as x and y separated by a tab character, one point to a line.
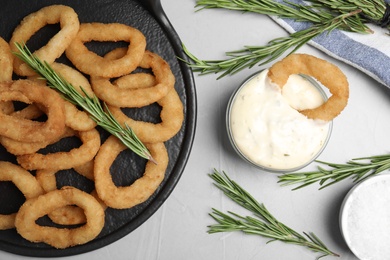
369	53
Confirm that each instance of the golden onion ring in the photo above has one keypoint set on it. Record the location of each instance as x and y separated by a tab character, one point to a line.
33	209
56	46
325	72
93	64
138	192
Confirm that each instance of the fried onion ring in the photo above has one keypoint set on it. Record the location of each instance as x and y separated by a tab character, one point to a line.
64	160
326	73
24	181
68	215
20	148
172	116
6	61
32	209
141	189
136	93
56	46
33	131
72	215
93	64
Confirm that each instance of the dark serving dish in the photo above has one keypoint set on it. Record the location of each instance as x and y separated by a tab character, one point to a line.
149	17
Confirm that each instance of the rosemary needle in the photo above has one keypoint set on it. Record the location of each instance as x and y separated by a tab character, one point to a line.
91	104
358	169
263	223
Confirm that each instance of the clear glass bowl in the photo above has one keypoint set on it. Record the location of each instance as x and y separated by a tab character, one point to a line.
245	157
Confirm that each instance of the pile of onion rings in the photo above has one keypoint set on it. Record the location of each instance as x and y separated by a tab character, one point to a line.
35	121
325	72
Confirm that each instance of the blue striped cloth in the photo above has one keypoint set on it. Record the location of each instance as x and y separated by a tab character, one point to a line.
370	53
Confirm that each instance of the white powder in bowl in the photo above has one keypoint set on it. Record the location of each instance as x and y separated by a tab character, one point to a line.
365	218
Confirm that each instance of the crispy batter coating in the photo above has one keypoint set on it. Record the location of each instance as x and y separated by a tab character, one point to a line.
69	23
64	160
172	116
6	61
32	209
19	148
93	64
136	89
326	73
67	215
138	192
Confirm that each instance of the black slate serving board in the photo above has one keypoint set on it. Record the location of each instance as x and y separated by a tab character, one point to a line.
149	17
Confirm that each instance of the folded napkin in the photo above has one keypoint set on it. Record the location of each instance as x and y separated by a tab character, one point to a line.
370	53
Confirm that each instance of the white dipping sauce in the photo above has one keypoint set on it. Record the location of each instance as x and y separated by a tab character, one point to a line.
365	218
269	131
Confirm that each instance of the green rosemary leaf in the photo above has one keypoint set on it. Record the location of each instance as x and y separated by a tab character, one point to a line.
90	104
263	223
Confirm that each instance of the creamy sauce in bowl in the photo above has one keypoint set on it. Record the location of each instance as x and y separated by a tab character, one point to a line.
265	127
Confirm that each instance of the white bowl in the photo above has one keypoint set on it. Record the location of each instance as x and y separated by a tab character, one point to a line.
365	218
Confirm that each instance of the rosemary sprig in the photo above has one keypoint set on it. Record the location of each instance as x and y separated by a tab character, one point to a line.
357	169
263	223
324	15
260	55
91	104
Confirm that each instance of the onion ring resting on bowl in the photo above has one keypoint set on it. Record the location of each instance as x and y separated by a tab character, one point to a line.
325	72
